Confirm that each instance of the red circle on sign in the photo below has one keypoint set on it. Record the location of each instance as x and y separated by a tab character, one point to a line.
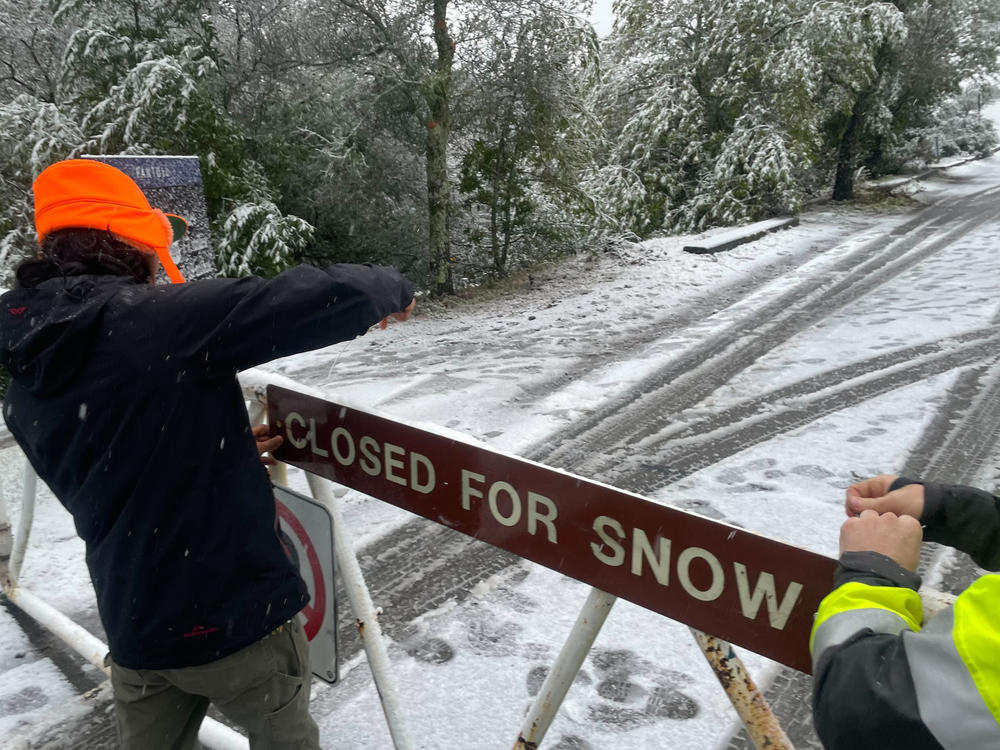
316	608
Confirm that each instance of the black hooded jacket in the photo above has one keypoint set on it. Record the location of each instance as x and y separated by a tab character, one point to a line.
124	398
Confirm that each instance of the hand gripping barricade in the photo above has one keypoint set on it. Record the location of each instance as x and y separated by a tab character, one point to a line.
723	579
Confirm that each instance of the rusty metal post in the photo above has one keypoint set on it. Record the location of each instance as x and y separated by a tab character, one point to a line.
760	722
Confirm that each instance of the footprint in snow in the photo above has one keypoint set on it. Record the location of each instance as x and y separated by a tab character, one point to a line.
431	650
629	691
812	471
26	699
489	637
572	742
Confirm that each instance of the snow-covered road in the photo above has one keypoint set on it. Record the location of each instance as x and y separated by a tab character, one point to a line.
752	386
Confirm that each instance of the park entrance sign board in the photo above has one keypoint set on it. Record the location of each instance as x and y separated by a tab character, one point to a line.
750	590
173	184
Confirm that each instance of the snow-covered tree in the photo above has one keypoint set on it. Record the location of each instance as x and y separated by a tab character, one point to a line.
954	127
851	44
258	239
949	45
722	112
695	95
136	77
523	126
35	134
359	116
409	50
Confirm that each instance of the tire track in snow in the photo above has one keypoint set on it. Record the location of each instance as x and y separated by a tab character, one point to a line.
668	458
698	372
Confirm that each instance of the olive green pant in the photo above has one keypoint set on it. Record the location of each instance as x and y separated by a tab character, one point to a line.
263	688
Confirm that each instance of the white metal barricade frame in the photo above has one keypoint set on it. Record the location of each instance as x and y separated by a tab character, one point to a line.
748	701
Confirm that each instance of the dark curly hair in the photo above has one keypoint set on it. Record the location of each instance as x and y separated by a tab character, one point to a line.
76	252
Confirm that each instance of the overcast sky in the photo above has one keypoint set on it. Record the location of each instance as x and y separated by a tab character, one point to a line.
602	17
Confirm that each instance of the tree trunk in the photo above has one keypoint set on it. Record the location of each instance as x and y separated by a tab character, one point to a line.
499	203
438	95
508	210
495	237
843	183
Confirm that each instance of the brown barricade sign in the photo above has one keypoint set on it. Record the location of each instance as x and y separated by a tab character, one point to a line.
748	589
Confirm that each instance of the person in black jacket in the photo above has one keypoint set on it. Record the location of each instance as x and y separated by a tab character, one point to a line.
125	400
884	678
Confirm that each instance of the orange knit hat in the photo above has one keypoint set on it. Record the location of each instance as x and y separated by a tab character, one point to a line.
88	194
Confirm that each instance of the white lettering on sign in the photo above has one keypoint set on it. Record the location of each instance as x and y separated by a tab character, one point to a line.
370	464
144	172
515	503
659	563
418	461
650	557
468	491
310	438
312	441
343	446
534	501
407	469
290	421
617	555
777	615
506	507
392	463
612	550
714	591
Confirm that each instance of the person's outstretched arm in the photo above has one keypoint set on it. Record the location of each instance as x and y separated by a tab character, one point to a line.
219	326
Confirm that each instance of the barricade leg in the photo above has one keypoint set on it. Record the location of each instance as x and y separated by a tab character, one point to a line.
588	624
365	614
761	723
6	545
25	522
257	413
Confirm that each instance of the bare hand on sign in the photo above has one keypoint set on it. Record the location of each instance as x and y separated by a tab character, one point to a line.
403	314
873	494
266	444
894	536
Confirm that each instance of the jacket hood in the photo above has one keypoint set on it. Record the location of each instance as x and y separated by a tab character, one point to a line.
47	332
